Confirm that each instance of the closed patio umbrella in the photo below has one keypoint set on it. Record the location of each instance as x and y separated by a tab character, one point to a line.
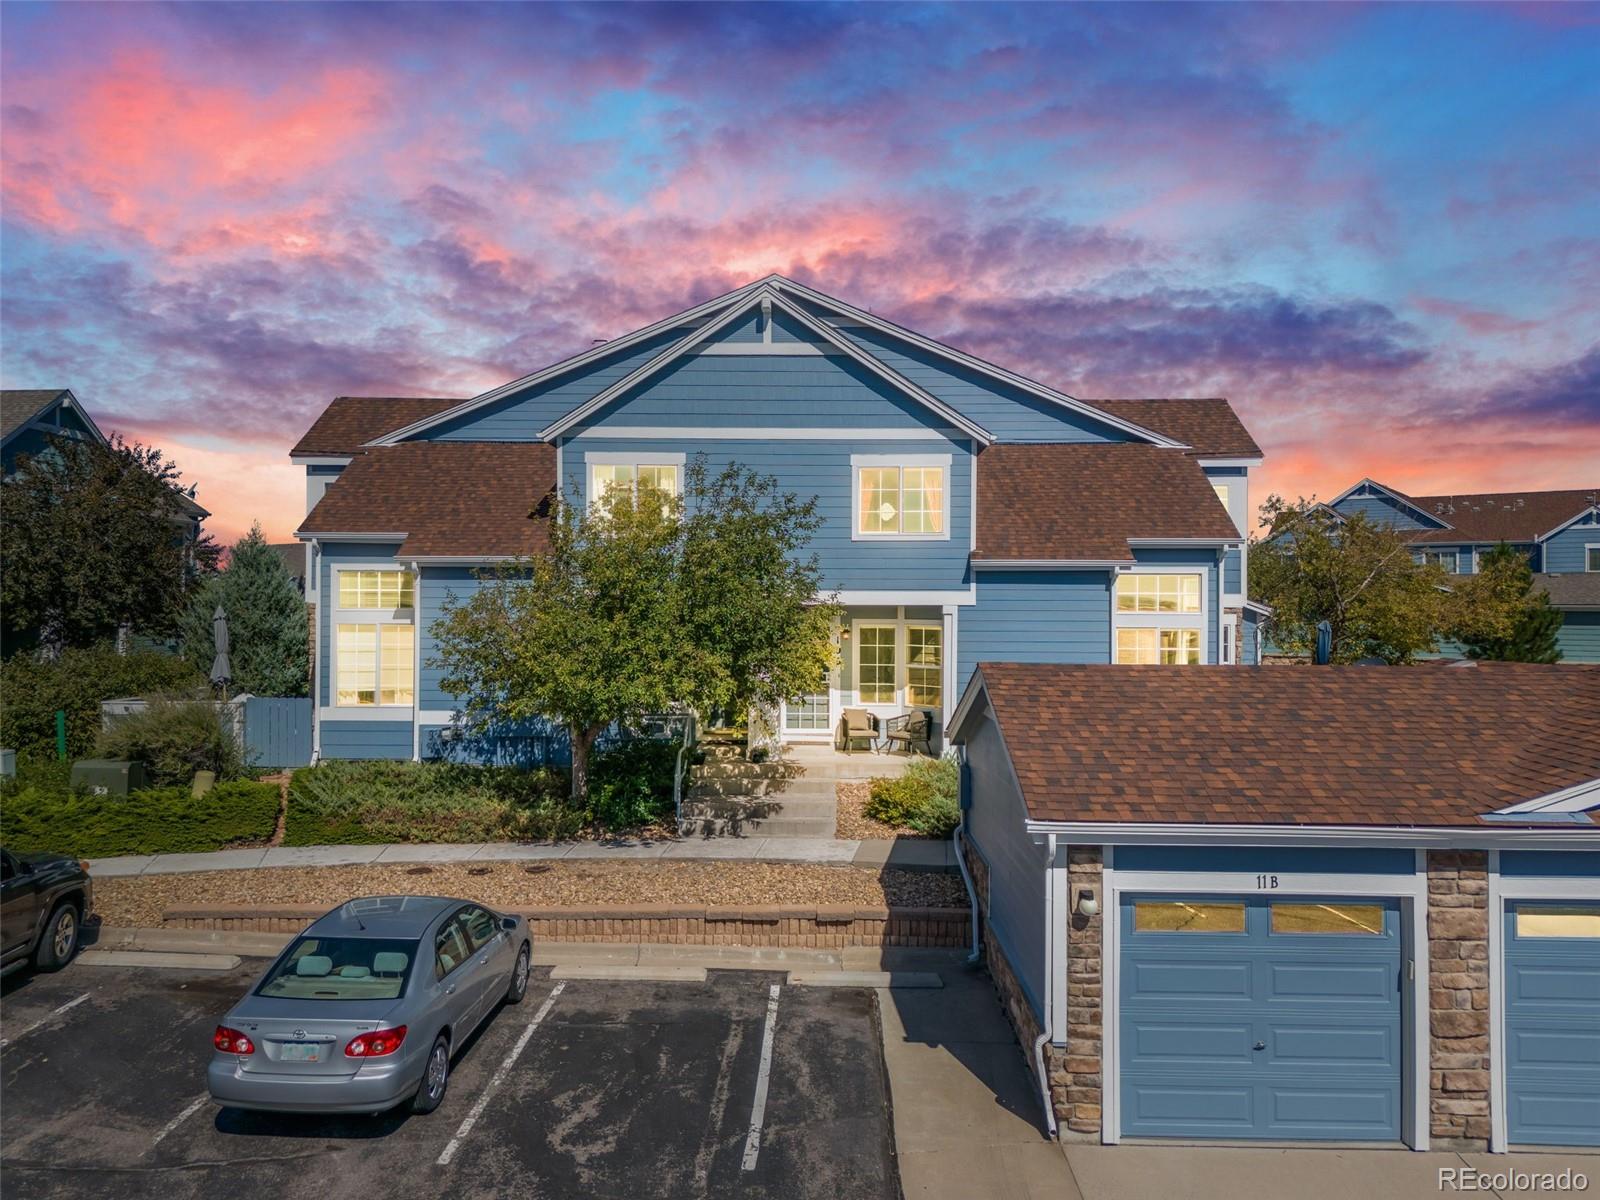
221	668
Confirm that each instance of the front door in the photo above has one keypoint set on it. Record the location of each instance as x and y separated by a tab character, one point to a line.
1249	1017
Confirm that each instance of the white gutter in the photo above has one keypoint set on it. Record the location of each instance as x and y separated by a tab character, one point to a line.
1466	837
1049	977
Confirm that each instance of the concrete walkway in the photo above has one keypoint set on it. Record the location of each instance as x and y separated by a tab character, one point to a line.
912	854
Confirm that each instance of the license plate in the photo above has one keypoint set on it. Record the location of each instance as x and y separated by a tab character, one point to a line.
301	1051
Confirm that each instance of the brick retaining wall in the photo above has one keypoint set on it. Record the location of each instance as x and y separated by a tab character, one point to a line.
815	927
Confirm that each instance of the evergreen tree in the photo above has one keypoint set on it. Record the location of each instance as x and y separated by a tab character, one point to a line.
267	631
1532	637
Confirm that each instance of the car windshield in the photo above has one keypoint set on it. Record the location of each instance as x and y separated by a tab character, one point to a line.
341	968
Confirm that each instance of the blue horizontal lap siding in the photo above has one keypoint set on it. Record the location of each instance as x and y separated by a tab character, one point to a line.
519	417
436	586
1552	1035
1233	571
822	469
1035	616
1564	552
366	739
1579	637
1274	860
1580	864
1380	509
769	391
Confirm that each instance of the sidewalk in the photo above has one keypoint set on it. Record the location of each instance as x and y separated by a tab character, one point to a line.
910	854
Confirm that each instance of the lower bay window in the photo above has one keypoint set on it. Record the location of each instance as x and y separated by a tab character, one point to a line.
1158	618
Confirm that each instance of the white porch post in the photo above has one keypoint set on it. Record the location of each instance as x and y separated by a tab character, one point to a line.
949	688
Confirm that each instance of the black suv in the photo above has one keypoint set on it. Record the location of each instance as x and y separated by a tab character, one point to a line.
46	898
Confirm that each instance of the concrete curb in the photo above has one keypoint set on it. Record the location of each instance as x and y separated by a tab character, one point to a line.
658	973
152	958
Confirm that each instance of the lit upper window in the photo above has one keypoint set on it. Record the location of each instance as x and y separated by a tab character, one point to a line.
1158	593
900	501
375	589
649	477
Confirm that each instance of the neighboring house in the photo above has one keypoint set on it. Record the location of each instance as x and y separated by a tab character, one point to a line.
293	557
1229	905
969	512
1558	531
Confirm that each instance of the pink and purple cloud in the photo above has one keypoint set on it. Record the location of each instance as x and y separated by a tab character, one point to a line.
1370	227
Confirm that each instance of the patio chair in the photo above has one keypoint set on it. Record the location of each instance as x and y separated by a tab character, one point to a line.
856	725
911	730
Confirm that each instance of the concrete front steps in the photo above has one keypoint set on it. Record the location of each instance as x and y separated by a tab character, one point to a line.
792	795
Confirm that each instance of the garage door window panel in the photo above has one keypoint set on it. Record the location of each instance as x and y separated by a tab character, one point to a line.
1189	916
1559	921
1328	917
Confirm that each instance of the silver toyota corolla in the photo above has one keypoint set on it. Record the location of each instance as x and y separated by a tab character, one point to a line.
361	1011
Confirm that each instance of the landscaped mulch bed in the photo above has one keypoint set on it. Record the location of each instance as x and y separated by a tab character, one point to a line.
853	821
140	901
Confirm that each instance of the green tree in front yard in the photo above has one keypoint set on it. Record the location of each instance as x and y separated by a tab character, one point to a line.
642	601
1531	635
267	629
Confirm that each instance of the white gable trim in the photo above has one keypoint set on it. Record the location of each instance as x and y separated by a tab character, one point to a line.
1405	500
1581	797
684	318
856	317
1592	511
764	295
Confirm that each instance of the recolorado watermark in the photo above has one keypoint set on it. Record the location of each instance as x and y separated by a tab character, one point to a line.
1470	1179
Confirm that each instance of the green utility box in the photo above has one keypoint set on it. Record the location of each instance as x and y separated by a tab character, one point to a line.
107	777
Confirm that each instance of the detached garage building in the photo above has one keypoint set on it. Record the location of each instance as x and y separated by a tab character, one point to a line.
1346	904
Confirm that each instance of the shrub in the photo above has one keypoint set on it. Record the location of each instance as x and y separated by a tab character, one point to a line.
31	691
927	798
631	784
174	739
153	821
368	803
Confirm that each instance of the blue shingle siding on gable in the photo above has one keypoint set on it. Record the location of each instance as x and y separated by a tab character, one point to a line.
770	391
1579	637
520	417
1383	509
366	739
1564	552
334	554
822	469
1035	616
1009	413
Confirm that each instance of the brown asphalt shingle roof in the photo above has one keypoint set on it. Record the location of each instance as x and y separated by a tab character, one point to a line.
1576	589
18	406
1209	425
1084	501
1501	516
1381	746
350	422
450	499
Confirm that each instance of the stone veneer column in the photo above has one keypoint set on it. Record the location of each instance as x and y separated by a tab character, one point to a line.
1458	998
1076	1074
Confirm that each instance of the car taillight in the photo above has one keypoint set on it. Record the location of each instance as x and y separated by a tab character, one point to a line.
375	1044
231	1041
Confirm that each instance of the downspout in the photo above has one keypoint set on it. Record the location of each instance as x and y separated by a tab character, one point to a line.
958	840
314	585
1049	976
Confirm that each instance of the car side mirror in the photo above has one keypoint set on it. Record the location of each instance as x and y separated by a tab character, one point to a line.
508	923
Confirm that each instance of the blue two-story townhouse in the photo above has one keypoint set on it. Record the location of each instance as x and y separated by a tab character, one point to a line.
970	514
1559	532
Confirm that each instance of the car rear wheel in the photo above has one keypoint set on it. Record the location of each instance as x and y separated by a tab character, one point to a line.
435	1078
60	938
518	987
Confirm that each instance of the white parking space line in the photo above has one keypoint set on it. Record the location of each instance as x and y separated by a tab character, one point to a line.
758	1110
498	1077
195	1106
44	1020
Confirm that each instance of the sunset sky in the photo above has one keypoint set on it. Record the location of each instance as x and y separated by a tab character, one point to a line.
1375	229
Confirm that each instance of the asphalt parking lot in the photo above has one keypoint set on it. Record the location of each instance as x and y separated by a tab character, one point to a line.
621	1089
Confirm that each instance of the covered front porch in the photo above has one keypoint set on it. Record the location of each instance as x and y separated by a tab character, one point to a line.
893	659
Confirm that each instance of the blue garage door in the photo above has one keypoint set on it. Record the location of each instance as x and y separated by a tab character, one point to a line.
1248	1017
1552	976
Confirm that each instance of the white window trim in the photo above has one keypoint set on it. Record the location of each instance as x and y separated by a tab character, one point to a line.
1455	570
1227	632
628	458
1137	620
337	616
1587	547
1410	890
900	623
857	461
